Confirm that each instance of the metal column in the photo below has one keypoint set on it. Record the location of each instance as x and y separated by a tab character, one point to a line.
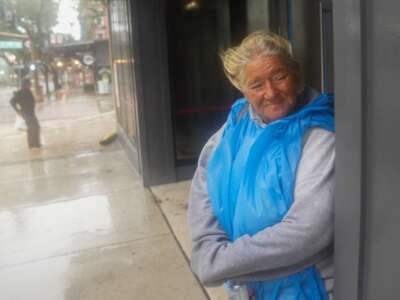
367	72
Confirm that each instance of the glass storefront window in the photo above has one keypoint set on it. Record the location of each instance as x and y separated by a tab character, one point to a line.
125	90
200	93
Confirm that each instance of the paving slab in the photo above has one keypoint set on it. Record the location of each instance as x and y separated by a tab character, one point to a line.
150	269
173	201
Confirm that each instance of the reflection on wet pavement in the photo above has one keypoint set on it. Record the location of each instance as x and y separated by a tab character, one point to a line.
75	220
37	232
73	125
144	269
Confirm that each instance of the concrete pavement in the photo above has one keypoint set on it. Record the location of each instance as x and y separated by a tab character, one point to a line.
172	200
75	220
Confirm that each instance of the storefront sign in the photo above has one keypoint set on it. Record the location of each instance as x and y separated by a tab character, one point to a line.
88	59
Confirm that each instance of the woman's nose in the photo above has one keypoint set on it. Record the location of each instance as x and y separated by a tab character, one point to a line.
269	90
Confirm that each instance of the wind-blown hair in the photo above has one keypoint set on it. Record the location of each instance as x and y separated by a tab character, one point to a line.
258	43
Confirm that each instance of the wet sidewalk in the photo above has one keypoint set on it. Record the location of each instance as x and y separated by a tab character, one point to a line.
75	220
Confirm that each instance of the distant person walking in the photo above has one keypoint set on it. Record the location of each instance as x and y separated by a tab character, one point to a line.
24	104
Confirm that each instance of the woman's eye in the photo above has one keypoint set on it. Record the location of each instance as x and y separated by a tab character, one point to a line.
279	77
256	86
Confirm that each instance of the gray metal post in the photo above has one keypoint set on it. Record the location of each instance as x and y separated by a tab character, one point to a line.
367	222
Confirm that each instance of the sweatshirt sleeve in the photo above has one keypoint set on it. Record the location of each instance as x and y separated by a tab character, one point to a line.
303	238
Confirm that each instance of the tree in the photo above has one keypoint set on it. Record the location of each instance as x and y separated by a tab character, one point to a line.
88	12
35	18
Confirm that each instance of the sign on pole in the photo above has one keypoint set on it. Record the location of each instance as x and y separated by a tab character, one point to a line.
11	45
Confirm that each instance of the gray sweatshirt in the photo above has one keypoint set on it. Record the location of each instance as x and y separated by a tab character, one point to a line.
303	238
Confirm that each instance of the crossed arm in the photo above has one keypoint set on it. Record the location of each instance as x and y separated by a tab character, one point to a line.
303	238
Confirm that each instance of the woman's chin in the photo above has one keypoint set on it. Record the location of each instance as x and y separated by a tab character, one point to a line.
275	113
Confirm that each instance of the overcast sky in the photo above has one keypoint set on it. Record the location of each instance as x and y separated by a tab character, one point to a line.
68	19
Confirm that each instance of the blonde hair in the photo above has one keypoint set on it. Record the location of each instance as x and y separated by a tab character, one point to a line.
255	44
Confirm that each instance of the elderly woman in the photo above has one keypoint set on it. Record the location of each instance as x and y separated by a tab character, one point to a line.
261	201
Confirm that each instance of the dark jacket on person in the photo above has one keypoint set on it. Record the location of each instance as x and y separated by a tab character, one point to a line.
23	101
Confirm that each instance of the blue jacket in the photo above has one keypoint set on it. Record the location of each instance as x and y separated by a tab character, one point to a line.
250	179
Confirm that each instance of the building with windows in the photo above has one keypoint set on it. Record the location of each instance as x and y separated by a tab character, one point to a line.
101	29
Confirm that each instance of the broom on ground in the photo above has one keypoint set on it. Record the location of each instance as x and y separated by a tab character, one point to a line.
108	139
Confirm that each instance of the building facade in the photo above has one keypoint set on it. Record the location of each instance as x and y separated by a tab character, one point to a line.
101	29
90	60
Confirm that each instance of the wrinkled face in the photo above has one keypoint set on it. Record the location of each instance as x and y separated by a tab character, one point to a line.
270	86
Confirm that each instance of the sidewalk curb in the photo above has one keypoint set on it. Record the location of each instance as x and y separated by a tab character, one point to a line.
157	203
